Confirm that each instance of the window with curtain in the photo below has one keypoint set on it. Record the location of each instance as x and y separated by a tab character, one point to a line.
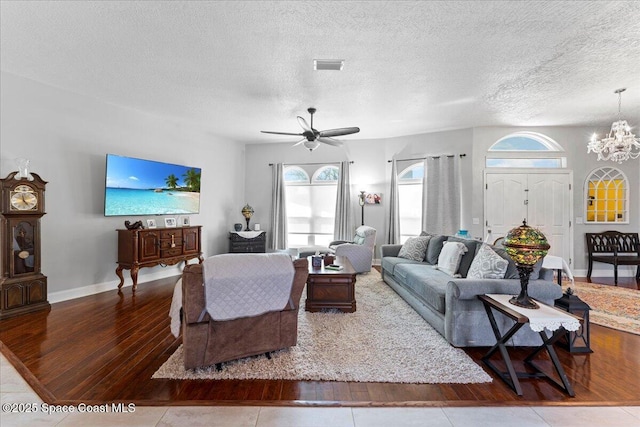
410	200
311	204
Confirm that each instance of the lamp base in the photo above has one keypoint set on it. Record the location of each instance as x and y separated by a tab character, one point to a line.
524	302
247	229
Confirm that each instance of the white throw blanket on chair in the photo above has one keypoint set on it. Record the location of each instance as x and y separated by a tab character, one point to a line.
174	310
243	285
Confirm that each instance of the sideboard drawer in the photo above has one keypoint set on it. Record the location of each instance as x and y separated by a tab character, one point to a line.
175	232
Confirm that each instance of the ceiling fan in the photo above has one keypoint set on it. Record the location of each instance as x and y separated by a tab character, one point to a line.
313	138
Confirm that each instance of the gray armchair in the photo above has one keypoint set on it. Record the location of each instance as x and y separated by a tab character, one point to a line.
360	250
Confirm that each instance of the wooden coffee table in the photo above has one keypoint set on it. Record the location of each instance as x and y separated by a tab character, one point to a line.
331	289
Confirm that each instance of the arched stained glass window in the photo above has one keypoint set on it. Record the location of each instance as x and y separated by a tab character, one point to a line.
606	195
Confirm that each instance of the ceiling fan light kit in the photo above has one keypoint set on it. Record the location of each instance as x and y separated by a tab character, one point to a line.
313	137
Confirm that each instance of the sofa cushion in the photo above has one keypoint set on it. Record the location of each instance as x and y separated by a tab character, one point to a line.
389	263
426	282
415	248
487	265
450	257
434	248
467	258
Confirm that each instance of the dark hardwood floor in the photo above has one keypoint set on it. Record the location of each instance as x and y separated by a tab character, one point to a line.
623	282
105	348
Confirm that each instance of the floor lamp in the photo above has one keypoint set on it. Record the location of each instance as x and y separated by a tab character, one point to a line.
361	202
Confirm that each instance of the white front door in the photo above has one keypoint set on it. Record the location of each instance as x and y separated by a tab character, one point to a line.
505	202
543	199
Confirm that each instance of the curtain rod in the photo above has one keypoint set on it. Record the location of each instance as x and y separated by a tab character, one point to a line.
422	158
311	164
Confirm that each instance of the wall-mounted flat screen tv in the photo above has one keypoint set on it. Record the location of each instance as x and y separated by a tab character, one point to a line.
145	187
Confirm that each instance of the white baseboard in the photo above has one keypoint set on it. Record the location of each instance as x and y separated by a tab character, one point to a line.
97	288
623	271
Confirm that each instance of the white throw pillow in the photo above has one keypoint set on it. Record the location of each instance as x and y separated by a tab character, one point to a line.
487	265
450	256
415	248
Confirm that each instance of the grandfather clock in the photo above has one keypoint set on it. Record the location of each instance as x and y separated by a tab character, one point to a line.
23	287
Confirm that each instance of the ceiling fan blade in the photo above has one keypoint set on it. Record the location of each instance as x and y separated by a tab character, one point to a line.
330	141
281	133
339	132
304	125
299	142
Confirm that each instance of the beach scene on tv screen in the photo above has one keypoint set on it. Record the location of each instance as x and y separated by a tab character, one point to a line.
145	187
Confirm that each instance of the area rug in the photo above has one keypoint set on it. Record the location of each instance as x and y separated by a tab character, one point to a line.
385	340
611	306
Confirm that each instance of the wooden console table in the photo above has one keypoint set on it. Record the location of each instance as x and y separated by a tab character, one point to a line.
544	318
156	246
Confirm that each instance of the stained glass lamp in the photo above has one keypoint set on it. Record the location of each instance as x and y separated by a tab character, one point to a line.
526	246
247	213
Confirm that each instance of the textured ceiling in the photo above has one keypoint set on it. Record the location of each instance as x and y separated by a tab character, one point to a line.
411	67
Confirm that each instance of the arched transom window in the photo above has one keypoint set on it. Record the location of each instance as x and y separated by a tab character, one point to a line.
526	150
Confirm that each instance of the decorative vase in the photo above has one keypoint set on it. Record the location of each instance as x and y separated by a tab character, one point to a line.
237	226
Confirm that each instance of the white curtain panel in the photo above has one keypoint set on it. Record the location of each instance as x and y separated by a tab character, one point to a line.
393	235
441	198
278	238
343	225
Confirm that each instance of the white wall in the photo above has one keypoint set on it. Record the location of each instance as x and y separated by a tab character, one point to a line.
370	171
66	137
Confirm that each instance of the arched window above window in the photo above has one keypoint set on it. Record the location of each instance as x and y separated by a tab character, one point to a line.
413	172
606	196
328	174
526	141
295	174
525	150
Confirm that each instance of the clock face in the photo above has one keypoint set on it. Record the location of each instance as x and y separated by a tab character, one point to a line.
23	198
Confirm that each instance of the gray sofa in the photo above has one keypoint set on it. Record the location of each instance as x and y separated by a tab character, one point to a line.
450	304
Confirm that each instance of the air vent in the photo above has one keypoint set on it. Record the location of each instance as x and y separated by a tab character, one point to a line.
328	64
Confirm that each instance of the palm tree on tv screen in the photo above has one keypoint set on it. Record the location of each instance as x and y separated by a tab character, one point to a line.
171	181
192	180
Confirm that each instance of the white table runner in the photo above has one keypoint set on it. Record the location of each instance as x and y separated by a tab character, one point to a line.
545	317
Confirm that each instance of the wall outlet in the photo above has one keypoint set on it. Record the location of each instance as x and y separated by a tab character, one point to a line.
476	221
579	220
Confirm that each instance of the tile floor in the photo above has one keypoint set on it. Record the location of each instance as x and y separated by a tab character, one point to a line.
14	390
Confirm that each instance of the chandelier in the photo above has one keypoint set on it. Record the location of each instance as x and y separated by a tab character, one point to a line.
620	144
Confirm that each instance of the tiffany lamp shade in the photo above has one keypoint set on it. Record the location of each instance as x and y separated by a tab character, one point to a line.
247	213
525	245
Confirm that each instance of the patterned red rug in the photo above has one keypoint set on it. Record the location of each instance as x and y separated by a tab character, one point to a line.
611	306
